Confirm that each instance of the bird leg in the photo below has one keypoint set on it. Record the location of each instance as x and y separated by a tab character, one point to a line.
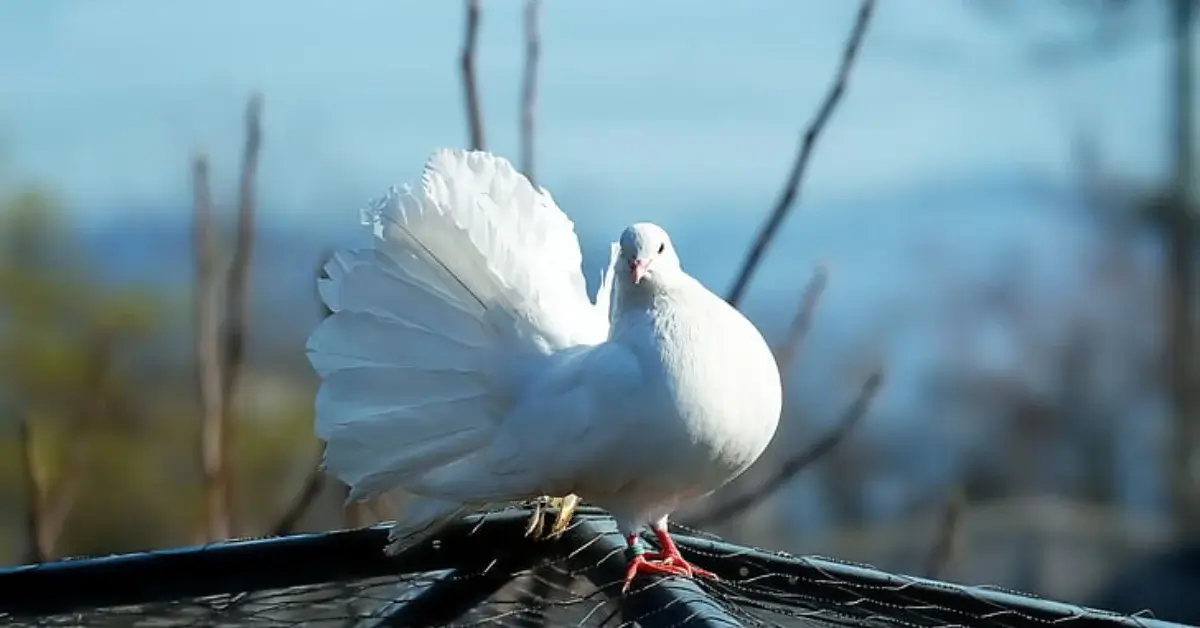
668	562
537	520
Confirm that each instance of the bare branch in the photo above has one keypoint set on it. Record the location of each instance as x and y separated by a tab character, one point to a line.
533	44
790	468
49	504
786	354
233	331
33	492
47	507
237	293
470	83
208	353
59	500
791	190
309	491
315	480
943	549
1180	298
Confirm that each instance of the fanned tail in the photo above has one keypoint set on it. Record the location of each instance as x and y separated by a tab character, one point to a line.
422	519
472	282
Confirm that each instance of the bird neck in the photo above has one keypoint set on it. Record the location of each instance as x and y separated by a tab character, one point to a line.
640	296
635	305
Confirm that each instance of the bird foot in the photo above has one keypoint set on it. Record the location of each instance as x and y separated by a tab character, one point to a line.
663	564
566	511
537	521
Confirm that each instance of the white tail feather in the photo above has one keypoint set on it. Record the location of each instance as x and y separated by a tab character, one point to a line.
474	278
424	518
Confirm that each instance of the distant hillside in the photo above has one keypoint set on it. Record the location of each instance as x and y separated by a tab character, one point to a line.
872	247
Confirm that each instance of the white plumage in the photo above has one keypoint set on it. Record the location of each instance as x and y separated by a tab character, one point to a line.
465	363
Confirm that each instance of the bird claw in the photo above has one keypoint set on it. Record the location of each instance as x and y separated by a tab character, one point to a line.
566	511
663	564
537	520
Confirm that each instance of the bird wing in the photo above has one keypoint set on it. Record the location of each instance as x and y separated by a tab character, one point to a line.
570	426
604	293
525	240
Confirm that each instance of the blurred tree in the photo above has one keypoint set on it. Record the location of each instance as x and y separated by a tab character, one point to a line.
222	321
61	339
97	427
1180	235
1169	210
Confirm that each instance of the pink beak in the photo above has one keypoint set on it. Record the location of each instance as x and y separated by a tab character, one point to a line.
638	269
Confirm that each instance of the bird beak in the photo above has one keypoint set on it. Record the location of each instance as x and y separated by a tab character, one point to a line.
638	269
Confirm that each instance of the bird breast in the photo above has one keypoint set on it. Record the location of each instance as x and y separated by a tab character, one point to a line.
721	386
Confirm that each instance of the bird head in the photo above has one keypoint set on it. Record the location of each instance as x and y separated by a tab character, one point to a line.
647	255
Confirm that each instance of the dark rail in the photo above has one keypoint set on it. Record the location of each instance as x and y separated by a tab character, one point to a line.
491	548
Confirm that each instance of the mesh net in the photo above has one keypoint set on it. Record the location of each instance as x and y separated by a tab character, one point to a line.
548	596
545	597
580	586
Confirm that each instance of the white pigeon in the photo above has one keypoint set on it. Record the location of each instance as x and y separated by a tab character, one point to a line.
465	364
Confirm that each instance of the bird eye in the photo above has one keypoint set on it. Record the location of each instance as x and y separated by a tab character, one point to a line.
662	247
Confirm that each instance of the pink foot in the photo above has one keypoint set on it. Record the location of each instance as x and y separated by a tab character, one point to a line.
668	562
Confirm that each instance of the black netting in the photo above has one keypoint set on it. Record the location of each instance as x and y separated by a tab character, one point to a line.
372	602
486	572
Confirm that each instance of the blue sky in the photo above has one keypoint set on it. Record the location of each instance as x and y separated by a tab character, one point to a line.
670	111
647	108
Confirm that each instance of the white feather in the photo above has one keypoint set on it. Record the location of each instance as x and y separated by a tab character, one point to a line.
464	364
473	285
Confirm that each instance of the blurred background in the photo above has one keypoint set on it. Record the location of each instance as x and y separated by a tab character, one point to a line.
1003	203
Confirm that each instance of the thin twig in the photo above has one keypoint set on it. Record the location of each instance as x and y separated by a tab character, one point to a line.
33	491
529	93
208	353
237	293
846	424
235	320
791	190
49	505
470	84
311	489
943	549
57	506
315	480
803	321
58	499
